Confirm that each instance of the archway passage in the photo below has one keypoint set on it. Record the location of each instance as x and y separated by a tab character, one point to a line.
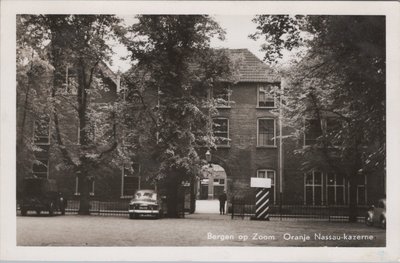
209	187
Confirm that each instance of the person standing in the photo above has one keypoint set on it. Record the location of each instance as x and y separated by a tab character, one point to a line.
222	199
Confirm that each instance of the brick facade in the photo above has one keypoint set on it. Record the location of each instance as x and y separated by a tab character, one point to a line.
241	159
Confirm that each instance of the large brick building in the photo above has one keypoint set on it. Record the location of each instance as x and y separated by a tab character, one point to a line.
248	125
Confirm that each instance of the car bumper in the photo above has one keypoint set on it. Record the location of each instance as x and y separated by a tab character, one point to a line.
138	211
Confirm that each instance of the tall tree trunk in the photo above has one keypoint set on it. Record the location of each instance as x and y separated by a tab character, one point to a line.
84	188
353	197
173	201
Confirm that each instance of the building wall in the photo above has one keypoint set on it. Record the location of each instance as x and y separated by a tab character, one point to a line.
243	158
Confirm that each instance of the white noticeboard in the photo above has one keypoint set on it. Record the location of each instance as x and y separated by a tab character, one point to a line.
260	182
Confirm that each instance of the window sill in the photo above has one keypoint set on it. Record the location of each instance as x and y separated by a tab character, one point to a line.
267	147
223	146
223	107
78	194
266	108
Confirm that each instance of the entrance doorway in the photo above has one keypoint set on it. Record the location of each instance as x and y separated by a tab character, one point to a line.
212	183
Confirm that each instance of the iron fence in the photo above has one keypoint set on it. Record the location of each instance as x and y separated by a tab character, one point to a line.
245	208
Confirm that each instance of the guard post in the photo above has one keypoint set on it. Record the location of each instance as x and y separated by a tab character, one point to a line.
262	197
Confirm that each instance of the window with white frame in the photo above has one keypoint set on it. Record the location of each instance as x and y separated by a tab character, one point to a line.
42	131
312	131
335	192
78	187
361	189
265	96
40	168
130	179
313	194
266	132
266	173
71	81
221	131
222	95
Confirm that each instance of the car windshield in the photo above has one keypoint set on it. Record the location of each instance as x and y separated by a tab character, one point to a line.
143	195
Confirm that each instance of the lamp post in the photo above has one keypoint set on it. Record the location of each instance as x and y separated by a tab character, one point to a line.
208	157
210	176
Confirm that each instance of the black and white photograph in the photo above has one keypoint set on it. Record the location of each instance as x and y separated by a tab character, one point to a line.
143	129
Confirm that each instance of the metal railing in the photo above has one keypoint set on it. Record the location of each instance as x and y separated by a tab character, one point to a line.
245	208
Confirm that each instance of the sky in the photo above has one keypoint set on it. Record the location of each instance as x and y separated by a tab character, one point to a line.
237	27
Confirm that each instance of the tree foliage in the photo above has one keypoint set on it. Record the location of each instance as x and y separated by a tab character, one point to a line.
341	75
173	53
77	46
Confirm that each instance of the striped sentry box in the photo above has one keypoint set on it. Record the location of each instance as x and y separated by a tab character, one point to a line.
262	204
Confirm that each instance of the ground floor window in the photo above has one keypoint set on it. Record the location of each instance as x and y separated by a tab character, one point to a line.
265	173
313	194
335	194
78	187
130	180
40	168
361	189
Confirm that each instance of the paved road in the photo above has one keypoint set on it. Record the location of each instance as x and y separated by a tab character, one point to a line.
194	230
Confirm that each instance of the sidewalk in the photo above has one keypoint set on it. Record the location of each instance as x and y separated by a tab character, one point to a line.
208	210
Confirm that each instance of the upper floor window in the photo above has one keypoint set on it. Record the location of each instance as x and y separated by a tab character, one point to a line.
221	131
222	95
71	81
266	132
266	97
42	131
312	131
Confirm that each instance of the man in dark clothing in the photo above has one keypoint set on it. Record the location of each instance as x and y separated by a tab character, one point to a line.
222	200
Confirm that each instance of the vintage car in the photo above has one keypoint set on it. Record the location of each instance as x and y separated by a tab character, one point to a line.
377	215
146	203
41	194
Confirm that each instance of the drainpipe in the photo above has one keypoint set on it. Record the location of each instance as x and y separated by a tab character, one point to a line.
280	149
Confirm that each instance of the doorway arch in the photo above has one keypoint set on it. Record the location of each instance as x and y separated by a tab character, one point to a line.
212	183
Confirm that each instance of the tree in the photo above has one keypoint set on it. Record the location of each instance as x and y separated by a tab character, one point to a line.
78	44
340	74
174	52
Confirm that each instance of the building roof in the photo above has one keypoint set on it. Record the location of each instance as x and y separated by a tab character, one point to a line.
251	68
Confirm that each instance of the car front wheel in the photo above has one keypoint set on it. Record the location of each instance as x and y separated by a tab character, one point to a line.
368	220
383	222
51	209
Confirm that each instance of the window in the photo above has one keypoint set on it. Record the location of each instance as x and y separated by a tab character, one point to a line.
333	126
312	131
335	194
130	180
361	189
313	188
266	132
78	187
222	95
71	81
266	98
130	136
42	131
221	131
40	168
269	174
